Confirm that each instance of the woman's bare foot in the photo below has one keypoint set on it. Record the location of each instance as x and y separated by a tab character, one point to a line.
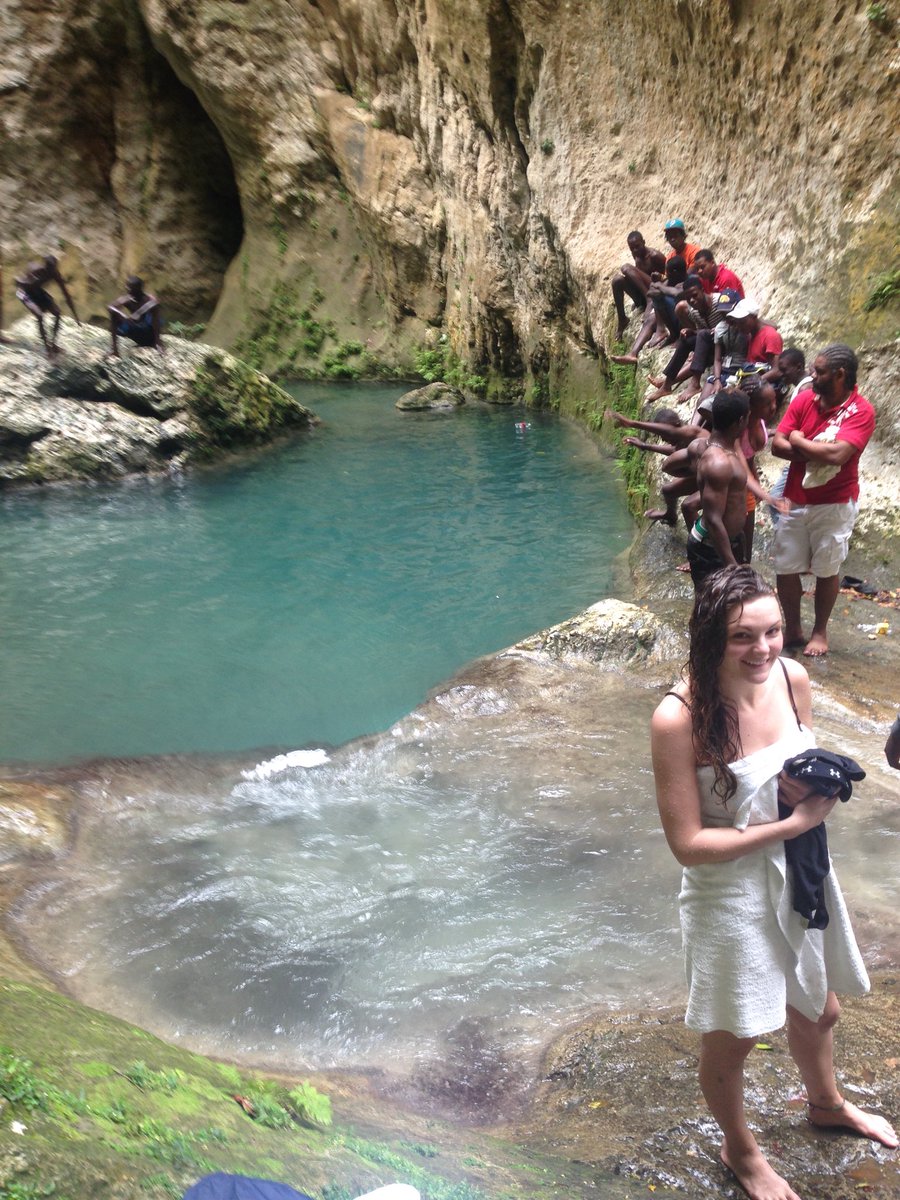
758	1179
817	646
624	360
848	1116
684	567
660	514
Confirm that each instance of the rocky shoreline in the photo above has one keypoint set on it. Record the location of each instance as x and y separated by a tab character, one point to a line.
86	416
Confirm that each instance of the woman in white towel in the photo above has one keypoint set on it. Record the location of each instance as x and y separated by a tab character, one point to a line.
719	739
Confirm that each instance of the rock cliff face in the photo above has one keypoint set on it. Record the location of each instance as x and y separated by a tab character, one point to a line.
348	177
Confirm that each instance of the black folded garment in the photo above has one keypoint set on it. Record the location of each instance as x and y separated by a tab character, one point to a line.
807	854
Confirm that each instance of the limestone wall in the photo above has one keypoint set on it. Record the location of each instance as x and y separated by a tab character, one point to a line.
399	167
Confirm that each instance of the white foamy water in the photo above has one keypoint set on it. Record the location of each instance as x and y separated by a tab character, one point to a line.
495	859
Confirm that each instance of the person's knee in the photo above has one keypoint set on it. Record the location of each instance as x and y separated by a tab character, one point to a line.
831	1013
725	1048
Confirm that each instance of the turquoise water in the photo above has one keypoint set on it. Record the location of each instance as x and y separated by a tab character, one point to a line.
307	595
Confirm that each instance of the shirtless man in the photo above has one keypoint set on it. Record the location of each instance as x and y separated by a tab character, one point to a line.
634	279
717	538
32	292
653	330
136	316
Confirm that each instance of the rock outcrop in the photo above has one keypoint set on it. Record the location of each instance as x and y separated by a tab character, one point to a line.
84	415
438	397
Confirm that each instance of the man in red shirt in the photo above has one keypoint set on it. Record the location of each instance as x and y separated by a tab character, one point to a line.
765	341
822	434
716	277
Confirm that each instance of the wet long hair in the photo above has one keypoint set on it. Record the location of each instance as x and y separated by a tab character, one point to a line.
717	737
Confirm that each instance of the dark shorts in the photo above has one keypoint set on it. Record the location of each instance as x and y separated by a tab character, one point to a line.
704	558
136	331
38	296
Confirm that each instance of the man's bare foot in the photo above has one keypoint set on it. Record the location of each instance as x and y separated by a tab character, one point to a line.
684	567
624	360
616	418
663	390
817	646
848	1116
691	390
658	339
794	639
620	331
758	1179
660	514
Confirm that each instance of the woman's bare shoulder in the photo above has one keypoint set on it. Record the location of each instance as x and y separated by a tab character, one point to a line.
800	688
673	714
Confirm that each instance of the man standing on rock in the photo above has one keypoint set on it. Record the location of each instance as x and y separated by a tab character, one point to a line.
822	435
31	290
717	537
634	279
136	316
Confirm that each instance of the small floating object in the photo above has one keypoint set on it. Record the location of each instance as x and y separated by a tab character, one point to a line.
522	425
882	628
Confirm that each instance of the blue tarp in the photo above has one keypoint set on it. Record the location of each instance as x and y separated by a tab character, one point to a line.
239	1187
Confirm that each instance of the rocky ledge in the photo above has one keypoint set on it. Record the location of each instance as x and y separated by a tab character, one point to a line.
85	415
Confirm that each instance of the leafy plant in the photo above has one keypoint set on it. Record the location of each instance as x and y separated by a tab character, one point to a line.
548	146
311	1106
147	1080
23	1190
886	289
18	1082
877	13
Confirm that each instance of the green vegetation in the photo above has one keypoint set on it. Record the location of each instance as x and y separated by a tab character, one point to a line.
548	146
237	406
885	290
18	1082
432	1186
877	13
310	1106
191	333
622	384
111	1110
440	365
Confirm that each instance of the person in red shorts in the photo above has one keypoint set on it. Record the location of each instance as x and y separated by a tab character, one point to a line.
822	435
765	341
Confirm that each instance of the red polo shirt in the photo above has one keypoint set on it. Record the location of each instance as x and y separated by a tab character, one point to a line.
856	423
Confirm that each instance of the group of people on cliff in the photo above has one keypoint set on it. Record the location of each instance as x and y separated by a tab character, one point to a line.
135	315
742	787
740	376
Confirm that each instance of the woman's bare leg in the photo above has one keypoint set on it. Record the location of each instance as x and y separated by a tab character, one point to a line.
722	1058
812	1048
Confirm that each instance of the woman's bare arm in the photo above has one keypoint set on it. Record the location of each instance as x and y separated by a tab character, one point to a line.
678	796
